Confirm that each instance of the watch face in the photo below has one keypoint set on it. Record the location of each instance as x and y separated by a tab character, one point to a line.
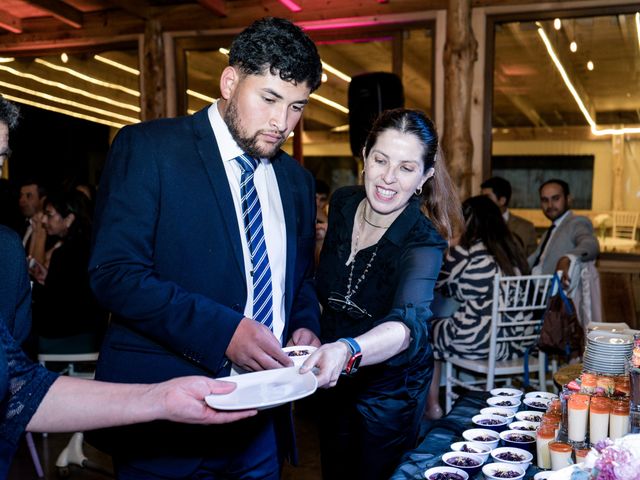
353	364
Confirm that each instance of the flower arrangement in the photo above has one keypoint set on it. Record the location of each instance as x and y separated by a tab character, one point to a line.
612	460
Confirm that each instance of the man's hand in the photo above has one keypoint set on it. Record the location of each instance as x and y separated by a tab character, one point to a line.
253	347
182	400
304	336
563	265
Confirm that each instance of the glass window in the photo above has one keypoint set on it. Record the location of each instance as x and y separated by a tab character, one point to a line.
561	88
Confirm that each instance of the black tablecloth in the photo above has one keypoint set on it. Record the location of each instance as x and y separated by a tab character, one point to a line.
438	436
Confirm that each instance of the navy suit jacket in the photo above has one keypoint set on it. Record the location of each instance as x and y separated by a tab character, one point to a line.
167	259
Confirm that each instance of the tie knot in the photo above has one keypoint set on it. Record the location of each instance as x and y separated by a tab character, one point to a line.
247	163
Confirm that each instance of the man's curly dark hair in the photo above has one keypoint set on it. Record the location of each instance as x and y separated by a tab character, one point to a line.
279	46
9	113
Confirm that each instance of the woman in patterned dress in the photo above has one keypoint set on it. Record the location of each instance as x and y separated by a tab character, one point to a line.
486	249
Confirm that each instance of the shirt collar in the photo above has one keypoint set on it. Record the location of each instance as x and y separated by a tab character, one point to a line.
559	220
228	147
505	215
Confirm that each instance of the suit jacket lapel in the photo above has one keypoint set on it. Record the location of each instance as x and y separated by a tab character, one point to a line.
210	155
289	208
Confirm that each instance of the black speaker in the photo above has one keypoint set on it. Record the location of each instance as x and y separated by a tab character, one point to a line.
369	95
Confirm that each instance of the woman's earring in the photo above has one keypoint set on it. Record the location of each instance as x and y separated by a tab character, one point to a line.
362	172
418	191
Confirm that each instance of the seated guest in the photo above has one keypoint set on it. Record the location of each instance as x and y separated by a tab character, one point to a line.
64	305
569	246
498	189
486	249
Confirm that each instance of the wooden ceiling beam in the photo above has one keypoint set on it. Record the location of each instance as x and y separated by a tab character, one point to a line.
216	6
10	23
139	8
60	10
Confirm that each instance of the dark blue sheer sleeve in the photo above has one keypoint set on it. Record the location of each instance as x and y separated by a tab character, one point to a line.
419	267
23	385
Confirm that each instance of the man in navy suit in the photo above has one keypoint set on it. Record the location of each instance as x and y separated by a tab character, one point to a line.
171	260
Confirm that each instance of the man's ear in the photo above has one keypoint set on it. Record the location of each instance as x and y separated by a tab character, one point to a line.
228	82
502	201
569	200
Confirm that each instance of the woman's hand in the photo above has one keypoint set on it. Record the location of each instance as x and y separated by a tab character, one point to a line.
329	361
37	271
182	400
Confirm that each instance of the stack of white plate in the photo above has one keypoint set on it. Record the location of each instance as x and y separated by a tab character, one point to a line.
607	352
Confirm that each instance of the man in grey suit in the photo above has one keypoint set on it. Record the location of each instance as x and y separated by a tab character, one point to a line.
570	238
498	189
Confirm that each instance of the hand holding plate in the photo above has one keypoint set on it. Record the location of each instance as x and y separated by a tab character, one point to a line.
182	400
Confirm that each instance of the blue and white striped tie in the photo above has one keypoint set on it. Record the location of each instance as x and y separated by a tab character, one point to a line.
253	229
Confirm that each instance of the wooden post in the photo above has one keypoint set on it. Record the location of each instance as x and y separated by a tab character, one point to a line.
617	164
460	53
153	72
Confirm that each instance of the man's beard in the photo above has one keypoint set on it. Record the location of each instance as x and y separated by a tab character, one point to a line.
248	144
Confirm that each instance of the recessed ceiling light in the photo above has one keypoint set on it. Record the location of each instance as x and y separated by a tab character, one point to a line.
324	77
589	65
64	57
573	47
557	24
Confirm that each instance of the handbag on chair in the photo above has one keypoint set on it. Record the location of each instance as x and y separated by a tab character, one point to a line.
561	332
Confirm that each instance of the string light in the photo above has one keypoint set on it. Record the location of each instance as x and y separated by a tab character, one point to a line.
557	24
573	47
329	103
115	64
71	103
576	96
201	96
64	111
69	88
590	65
87	78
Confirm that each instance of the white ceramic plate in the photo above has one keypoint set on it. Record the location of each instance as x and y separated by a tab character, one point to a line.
608	338
265	389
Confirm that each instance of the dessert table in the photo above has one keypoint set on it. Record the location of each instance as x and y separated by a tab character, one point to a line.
437	436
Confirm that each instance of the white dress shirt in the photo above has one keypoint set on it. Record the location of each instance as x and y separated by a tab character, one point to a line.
537	270
274	226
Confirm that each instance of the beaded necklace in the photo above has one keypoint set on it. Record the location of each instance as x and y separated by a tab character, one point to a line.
354	251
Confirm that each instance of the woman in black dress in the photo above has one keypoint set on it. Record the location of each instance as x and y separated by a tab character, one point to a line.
375	280
66	315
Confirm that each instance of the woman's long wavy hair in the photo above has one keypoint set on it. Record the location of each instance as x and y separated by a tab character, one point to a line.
484	222
440	201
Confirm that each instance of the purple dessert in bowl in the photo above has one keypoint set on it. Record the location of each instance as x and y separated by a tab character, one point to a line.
512	455
445	473
500	471
492	422
483	436
519	439
478	449
468	462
